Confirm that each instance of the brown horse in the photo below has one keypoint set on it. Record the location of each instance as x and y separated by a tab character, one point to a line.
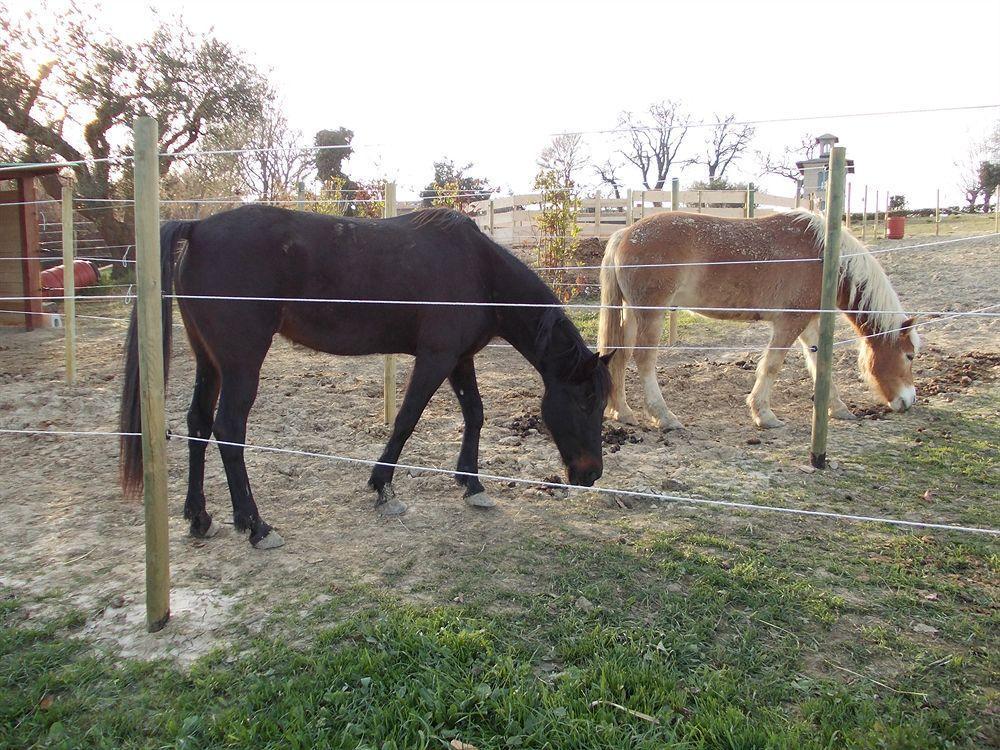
661	262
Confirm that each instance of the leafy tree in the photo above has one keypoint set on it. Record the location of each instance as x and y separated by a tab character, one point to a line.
446	177
557	224
652	144
79	104
330	161
989	179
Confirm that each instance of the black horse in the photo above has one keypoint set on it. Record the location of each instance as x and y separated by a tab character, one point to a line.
432	256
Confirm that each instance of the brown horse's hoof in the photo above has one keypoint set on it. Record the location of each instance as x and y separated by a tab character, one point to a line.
480	500
271	541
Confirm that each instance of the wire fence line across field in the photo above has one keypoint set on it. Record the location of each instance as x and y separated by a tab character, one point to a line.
981	312
662	497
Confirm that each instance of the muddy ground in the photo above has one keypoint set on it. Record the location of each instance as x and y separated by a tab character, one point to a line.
68	540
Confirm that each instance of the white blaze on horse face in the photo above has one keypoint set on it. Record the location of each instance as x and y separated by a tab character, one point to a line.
904	400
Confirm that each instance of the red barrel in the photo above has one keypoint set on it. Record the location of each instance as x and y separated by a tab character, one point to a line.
84	274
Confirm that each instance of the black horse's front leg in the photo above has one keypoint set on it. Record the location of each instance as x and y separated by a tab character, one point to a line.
429	371
463	382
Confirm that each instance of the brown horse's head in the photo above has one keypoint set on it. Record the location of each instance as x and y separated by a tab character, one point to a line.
886	361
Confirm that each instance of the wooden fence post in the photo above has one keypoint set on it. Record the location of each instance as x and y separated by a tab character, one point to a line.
937	213
597	217
300	196
675	203
875	219
490	209
149	302
864	214
828	303
700	202
996	212
69	278
750	200
848	212
389	364
629	213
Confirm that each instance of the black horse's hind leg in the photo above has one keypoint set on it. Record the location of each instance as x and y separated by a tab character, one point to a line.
429	371
239	389
199	419
463	382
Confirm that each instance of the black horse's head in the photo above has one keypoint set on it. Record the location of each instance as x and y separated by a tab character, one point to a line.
573	410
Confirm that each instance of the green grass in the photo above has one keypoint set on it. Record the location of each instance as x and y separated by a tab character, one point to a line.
729	631
923	226
720	638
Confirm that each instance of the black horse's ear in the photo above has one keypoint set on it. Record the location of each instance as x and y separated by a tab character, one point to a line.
606	358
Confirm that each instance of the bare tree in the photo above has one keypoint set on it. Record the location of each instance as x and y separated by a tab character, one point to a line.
607	171
565	156
652	145
278	161
783	165
725	143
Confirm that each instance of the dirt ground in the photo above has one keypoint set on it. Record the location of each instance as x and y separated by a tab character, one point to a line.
68	540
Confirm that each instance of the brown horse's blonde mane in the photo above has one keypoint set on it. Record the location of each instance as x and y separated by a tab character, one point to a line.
868	288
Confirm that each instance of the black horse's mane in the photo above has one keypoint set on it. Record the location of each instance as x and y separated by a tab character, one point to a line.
554	328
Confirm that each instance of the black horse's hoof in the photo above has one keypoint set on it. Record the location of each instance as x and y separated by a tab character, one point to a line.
212	530
387	503
480	500
271	540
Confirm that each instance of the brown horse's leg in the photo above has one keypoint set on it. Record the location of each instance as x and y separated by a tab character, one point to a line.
429	371
618	408
199	419
239	389
809	339
784	332
463	382
650	324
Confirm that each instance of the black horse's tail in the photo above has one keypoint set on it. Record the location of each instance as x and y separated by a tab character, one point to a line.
130	416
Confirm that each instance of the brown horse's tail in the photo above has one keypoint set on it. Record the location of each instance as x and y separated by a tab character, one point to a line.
611	329
130	416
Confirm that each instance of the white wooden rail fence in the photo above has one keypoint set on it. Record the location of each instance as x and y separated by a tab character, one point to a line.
512	219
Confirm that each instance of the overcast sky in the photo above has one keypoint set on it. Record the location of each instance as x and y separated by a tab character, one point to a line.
490	82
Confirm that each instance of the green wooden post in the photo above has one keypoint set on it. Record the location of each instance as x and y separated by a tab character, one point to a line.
69	279
389	364
996	212
750	200
864	214
828	303
937	213
149	301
